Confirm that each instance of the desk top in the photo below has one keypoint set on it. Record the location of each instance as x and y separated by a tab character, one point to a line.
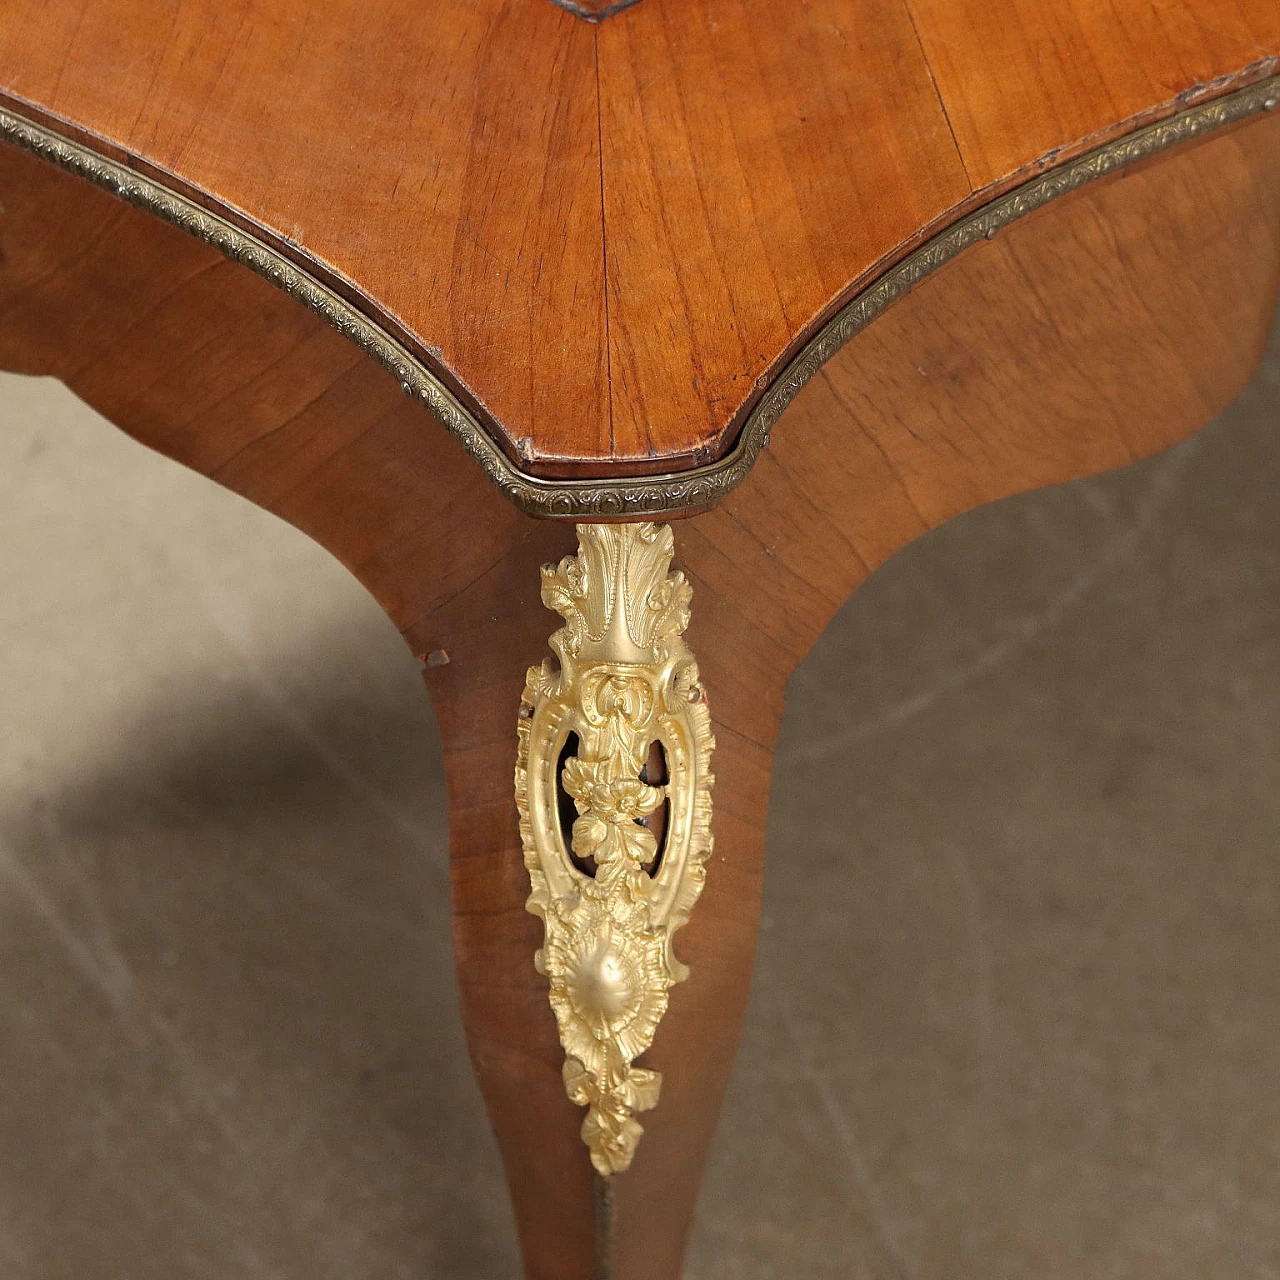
605	230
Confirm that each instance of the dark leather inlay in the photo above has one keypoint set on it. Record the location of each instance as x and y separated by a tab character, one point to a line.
594	10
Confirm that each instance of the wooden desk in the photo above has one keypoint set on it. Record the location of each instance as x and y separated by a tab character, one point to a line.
803	280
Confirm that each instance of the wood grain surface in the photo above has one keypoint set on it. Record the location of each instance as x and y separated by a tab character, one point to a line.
746	179
608	236
1021	77
1100	330
441	159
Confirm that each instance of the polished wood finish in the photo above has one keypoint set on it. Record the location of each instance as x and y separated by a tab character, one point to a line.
1021	76
606	235
1097	331
748	182
421	153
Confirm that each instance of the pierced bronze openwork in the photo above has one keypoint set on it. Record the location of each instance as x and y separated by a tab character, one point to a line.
621	729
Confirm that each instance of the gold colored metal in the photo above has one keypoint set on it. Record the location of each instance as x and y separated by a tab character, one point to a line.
636	497
610	896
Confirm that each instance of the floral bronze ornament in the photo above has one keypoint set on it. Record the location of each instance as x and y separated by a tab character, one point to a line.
619	733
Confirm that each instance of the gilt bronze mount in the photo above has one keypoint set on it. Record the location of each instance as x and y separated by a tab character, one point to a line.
618	732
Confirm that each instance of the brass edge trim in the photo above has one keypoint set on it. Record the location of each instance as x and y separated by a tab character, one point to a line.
634	497
416	379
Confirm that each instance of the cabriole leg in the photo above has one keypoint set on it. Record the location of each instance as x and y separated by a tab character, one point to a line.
586	830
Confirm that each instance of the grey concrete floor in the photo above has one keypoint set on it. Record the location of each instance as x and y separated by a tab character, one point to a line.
1017	1008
